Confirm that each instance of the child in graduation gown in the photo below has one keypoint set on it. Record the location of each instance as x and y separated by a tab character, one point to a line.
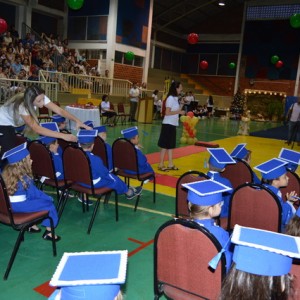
23	194
205	202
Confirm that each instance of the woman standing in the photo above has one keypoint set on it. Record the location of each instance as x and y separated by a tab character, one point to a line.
20	110
167	139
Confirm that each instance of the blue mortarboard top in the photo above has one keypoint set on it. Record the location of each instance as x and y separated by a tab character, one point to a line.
239	151
20	129
58	119
263	252
219	157
90	275
290	156
86	136
16	154
130	133
272	168
100	128
205	192
50	125
89	123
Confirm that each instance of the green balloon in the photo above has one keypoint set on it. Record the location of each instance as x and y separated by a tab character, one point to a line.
295	21
232	65
274	59
75	4
129	55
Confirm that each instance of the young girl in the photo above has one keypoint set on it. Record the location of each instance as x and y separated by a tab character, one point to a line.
274	177
23	194
205	202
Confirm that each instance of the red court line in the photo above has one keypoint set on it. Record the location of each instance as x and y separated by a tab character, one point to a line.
166	180
153	158
144	245
135	241
45	289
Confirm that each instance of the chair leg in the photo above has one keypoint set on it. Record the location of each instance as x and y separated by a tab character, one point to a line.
94	215
62	202
116	206
53	236
14	253
138	199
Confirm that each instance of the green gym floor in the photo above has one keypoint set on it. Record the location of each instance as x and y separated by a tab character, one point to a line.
35	265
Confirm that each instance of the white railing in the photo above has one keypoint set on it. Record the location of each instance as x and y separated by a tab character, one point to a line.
9	87
86	84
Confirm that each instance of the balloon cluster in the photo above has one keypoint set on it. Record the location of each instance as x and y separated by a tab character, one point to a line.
189	132
276	61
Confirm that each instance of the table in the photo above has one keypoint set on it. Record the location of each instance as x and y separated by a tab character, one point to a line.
83	114
87	100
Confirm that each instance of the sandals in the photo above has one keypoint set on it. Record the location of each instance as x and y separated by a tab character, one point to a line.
47	237
163	169
172	168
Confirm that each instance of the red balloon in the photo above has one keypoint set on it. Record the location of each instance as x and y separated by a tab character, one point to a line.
3	26
190	114
193	38
203	64
279	64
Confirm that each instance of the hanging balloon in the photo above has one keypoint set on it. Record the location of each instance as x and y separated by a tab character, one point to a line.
279	64
193	38
231	65
3	26
295	21
203	64
129	55
274	59
75	4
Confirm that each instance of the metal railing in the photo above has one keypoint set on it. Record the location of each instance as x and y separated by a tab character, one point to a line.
86	84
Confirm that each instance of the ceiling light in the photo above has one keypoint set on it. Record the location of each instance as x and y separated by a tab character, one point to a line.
221	3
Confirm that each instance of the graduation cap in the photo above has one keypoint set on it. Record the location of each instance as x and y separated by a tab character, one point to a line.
16	154
47	139
130	133
90	275
272	168
219	158
263	252
58	119
89	123
20	129
86	136
100	128
239	151
50	125
205	192
290	156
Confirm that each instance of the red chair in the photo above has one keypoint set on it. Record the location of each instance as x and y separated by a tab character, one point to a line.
44	115
100	150
182	252
20	222
238	173
125	158
121	114
182	210
253	205
81	172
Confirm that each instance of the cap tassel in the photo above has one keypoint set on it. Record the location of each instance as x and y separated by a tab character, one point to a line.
215	260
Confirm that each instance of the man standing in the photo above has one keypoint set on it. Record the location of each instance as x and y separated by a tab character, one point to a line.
134	93
294	123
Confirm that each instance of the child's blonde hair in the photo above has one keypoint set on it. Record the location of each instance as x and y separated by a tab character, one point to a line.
198	211
13	173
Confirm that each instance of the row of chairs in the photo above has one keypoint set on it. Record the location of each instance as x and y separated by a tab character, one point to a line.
191	277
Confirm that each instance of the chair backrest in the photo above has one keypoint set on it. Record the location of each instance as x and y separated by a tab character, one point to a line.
42	161
43	111
253	205
21	139
182	251
100	150
121	108
293	185
124	155
182	209
238	173
77	167
111	106
5	208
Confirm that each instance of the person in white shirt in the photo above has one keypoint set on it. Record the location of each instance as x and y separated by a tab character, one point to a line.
134	94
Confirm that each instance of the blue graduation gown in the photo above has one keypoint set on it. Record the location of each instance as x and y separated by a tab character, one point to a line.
143	165
36	200
225	196
221	235
287	211
58	165
109	157
102	177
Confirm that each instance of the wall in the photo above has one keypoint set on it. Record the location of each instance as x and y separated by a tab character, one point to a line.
131	73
